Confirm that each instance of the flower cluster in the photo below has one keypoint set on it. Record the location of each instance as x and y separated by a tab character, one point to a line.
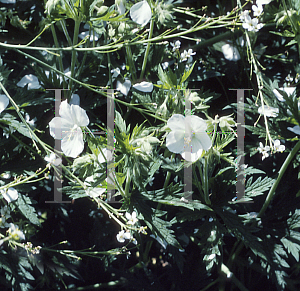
264	150
126	235
251	24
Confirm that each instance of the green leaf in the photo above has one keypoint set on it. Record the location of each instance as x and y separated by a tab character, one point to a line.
23	203
187	74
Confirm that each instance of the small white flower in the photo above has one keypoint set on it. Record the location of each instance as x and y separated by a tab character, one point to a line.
131	218
67	128
30	122
143	87
31	80
124	88
244	15
268	111
15	233
141	13
122	236
251	24
4	101
288	78
263	150
278	147
11	194
187	136
176	45
295	129
53	159
257	9
187	55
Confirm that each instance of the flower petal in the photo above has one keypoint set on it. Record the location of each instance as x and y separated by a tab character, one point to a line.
143	86
60	127
72	143
230	52
65	111
124	88
10	195
79	115
176	122
4	101
31	80
175	141
295	129
75	99
141	13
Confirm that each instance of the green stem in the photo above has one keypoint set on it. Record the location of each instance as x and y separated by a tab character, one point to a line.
280	175
131	63
205	178
147	49
60	63
168	174
73	60
127	185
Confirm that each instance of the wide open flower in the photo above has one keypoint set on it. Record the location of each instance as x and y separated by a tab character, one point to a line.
188	136
67	128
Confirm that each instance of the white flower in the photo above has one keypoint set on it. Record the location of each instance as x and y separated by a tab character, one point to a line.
187	136
143	86
53	159
67	128
124	88
176	45
295	129
122	236
251	24
263	2
263	150
11	194
278	147
230	52
75	99
15	233
131	218
4	101
187	55
141	13
226	123
31	80
288	90
244	15
257	9
288	78
268	111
